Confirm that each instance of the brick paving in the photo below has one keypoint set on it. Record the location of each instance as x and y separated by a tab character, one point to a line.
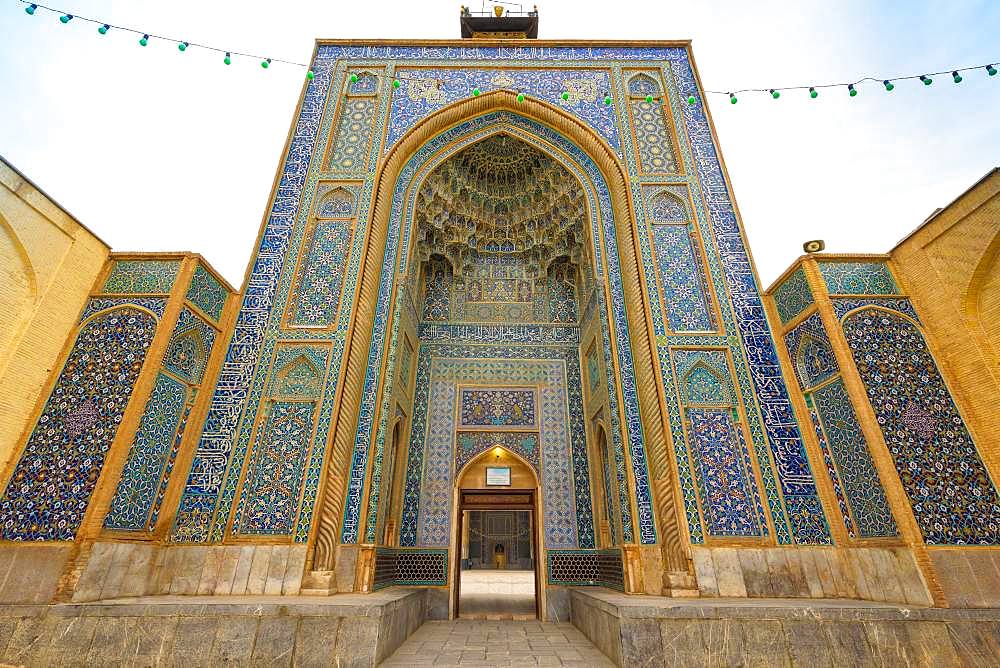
467	642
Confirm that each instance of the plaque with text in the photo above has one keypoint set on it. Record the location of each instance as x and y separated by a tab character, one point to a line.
497	476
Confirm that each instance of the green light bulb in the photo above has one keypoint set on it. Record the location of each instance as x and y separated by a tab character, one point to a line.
310	75
103	29
607	100
649	98
992	71
520	97
265	63
66	18
775	94
851	90
396	83
888	85
144	41
926	79
354	78
956	77
476	92
228	60
691	99
813	93
565	95
30	10
732	99
182	46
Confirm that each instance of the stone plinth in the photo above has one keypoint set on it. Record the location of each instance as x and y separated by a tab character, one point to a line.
659	631
342	630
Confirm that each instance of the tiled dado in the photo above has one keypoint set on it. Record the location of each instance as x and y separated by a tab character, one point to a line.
116	570
873	574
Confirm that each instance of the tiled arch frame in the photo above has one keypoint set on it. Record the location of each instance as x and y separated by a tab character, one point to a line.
961	505
650	438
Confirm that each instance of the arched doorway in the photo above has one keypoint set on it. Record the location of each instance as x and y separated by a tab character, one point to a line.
496	538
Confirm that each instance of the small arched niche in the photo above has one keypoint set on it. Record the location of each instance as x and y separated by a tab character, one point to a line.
473	475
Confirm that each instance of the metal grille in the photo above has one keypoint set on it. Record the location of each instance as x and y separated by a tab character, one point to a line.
597	568
410	567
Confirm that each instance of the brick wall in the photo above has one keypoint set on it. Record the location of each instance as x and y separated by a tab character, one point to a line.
48	264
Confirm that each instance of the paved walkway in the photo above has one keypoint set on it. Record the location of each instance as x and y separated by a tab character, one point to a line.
466	642
497	594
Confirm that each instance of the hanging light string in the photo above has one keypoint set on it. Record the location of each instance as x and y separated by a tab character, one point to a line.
265	62
852	86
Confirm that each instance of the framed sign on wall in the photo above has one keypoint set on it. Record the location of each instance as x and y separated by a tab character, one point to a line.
497	476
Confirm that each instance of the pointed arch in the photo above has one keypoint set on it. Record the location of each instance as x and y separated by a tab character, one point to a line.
338	202
648	444
299	378
705	385
642	84
666	207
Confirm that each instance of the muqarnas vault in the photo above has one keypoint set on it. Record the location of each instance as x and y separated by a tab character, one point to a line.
486	251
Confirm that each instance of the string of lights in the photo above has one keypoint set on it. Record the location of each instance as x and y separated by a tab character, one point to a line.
852	87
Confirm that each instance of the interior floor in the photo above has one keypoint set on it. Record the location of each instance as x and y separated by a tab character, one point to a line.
497	594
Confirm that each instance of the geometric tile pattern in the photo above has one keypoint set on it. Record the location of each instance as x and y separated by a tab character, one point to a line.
469	444
497	407
564	469
455	139
772	424
141	276
438	472
812	355
50	487
147	459
242	378
728	490
858	278
793	296
269	501
349	150
954	500
321	274
419	95
682	278
850	464
842	306
650	127
189	347
154	449
274	476
207	293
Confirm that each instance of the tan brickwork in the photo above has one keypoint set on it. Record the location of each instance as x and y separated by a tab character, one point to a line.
48	263
950	267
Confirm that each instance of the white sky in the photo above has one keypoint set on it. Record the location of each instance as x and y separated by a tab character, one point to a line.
157	150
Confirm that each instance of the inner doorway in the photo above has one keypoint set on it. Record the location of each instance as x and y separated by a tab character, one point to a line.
497	550
498	565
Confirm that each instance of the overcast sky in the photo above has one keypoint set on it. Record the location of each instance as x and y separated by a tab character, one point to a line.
157	150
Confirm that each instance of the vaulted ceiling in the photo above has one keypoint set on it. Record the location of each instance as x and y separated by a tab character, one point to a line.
501	196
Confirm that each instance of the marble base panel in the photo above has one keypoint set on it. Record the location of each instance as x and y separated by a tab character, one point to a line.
881	574
342	630
30	573
970	577
661	631
115	570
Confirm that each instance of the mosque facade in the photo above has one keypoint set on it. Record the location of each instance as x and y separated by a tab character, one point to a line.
510	275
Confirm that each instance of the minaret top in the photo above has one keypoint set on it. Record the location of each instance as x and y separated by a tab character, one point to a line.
499	24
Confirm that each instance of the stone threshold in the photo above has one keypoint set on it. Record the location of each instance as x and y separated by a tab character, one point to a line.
660	631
